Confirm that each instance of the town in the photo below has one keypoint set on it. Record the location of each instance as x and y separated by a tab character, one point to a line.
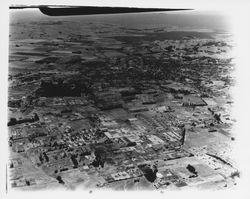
121	111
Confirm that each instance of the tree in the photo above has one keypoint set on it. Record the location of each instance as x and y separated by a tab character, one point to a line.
60	180
74	160
191	169
46	157
41	158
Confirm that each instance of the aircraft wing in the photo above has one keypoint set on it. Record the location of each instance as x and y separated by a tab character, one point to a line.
92	10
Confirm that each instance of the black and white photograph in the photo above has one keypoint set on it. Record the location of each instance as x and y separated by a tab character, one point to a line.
123	97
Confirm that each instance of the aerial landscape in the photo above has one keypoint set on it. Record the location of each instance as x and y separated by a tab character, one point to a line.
121	102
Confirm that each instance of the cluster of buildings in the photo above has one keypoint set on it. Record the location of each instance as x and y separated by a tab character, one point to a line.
147	116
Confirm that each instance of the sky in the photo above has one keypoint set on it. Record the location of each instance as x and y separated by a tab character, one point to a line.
194	19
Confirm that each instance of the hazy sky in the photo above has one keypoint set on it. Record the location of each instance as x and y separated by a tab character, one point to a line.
196	19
